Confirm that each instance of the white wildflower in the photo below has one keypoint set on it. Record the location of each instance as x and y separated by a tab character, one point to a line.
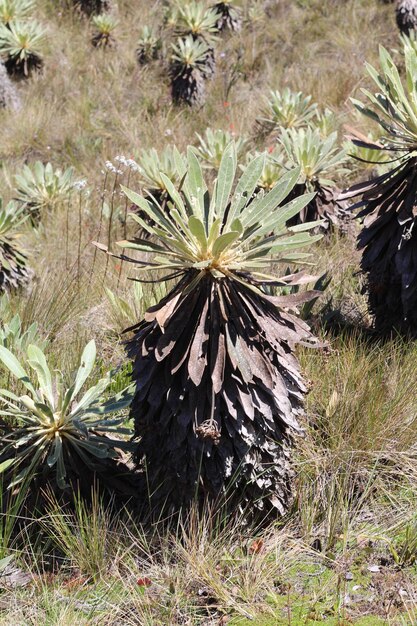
79	185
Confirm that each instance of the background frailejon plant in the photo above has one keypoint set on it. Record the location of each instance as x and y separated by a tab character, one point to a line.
345	550
388	240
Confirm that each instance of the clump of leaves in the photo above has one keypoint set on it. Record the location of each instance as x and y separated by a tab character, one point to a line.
13	268
56	431
148	46
22	45
212	145
189	69
41	187
15	338
218	388
104	25
388	239
318	159
287	109
15	10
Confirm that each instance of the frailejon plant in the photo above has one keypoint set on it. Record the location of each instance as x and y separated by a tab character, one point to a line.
212	145
189	69
320	161
287	109
230	15
155	166
14	338
406	14
326	121
14	10
13	268
92	7
22	45
389	237
58	432
218	388
273	169
104	27
367	162
41	187
194	20
148	46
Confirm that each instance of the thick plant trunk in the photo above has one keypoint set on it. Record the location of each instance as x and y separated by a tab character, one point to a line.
13	270
325	206
389	244
218	394
406	14
230	17
9	97
188	87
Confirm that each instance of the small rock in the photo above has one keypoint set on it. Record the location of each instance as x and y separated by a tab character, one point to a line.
374	569
349	576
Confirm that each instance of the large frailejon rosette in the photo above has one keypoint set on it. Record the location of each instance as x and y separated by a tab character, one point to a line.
389	202
218	388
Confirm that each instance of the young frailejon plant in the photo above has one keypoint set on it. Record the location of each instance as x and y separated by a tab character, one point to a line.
388	239
367	162
148	46
326	121
42	187
317	158
104	25
273	170
218	388
190	67
288	109
213	144
22	45
154	167
14	10
58	432
13	269
14	338
134	304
